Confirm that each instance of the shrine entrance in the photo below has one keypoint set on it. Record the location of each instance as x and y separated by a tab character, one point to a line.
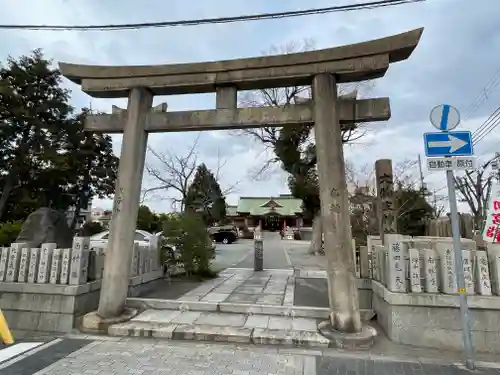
273	223
330	114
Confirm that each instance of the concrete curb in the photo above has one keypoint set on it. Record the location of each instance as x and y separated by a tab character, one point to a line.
257	336
239	308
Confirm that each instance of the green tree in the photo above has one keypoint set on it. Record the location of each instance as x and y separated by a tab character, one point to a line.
84	164
187	233
412	211
90	228
145	218
205	197
33	110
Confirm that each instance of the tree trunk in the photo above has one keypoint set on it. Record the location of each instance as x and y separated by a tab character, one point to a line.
317	235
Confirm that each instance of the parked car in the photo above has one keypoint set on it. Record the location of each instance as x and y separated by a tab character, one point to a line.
225	234
101	239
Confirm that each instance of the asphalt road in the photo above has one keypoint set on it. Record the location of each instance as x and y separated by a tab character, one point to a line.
240	254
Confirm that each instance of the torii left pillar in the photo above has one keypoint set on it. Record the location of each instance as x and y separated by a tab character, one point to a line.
114	287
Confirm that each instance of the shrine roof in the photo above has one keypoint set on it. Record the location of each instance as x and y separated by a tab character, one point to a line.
282	205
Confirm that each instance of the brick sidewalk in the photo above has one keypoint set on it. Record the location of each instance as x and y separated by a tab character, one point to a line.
105	356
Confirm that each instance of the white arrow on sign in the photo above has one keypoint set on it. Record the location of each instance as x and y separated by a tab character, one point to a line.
453	143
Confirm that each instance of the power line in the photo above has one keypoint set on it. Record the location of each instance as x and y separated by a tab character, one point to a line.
220	20
486	127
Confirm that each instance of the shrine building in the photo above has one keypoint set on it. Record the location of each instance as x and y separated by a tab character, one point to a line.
270	213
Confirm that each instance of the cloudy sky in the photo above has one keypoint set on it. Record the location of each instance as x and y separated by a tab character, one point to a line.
457	58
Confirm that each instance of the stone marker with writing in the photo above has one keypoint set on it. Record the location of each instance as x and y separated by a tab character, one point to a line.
430	261
396	273
79	261
33	265
134	264
65	265
415	285
375	272
483	282
92	268
46	252
142	255
22	276
494	264
55	267
4	258
364	262
467	264
13	262
448	274
101	257
154	246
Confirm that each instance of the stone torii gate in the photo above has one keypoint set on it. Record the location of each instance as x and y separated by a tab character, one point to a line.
322	69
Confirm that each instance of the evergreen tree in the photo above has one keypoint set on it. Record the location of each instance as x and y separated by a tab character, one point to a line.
33	108
46	158
205	196
85	165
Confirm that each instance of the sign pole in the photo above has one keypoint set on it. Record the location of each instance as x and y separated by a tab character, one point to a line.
459	268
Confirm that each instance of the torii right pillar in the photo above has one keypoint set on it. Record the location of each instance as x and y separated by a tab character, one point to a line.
342	284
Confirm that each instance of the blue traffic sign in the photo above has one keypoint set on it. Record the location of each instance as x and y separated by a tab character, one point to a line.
445	117
458	143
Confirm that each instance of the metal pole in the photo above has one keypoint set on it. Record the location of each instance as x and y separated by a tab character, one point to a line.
457	248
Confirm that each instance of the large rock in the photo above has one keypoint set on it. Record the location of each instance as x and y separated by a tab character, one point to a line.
46	225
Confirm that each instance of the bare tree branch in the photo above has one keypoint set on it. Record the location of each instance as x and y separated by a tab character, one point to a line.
175	173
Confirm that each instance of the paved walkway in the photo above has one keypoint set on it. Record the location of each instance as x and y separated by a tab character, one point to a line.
240	285
87	355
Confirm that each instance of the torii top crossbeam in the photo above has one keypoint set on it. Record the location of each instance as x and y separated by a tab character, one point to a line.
350	63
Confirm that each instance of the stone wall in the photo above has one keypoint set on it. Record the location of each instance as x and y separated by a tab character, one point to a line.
433	320
47	290
415	294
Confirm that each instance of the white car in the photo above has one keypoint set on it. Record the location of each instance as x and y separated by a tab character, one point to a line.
101	239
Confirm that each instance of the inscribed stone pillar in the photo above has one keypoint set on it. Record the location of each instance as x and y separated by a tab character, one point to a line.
33	265
483	282
55	267
494	264
4	258
415	284
65	266
342	283
364	262
13	262
430	270
448	274
467	266
126	204
396	272
46	252
22	275
385	197
134	264
79	261
371	241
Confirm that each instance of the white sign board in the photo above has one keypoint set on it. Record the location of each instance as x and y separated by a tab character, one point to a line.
457	163
491	231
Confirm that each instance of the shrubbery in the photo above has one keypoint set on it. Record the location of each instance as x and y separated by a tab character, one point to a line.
90	228
188	235
9	232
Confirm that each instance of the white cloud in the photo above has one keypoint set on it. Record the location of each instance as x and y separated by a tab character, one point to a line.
453	63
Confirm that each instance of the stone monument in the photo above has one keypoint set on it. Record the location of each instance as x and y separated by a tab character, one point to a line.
323	70
46	225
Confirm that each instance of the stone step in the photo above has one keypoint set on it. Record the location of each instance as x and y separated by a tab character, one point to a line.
249	324
238	308
223	327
